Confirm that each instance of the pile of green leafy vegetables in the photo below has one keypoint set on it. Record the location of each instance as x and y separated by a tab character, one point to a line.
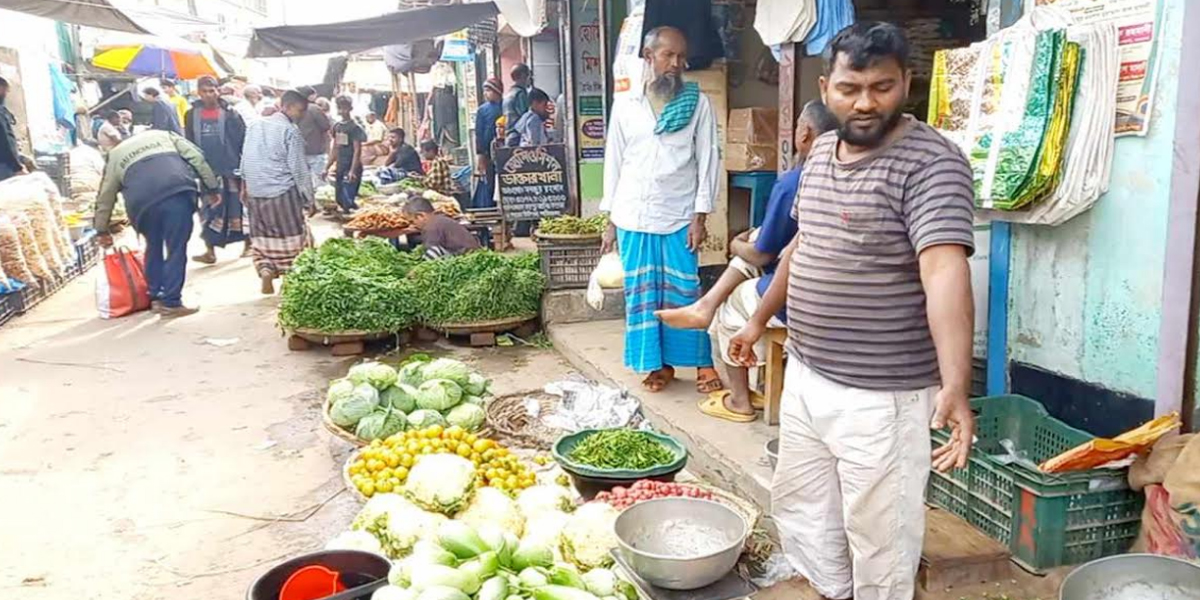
367	285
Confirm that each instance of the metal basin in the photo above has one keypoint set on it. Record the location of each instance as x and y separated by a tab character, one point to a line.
681	543
1133	577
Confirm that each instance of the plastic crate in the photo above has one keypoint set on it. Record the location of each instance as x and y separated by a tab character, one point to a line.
568	264
28	297
87	251
1046	520
9	307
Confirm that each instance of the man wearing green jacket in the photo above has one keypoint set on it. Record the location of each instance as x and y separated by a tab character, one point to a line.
156	172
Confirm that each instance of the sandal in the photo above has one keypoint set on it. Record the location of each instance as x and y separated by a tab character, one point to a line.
713	405
707	380
657	380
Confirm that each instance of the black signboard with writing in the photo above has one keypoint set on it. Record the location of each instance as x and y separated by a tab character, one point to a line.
532	181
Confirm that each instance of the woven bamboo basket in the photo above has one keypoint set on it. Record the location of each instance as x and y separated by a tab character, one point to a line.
508	417
338	431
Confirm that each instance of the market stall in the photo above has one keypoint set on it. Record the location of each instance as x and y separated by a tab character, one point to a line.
456	510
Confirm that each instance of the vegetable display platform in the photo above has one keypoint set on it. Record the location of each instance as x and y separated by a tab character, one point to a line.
489	326
345	343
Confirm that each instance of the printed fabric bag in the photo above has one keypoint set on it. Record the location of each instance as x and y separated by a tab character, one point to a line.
123	289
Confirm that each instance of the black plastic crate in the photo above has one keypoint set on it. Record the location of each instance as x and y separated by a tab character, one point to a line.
568	263
28	297
87	251
9	307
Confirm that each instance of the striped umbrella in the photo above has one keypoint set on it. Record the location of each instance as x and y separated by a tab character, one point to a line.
150	60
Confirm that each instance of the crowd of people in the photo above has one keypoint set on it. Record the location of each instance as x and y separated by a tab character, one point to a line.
259	158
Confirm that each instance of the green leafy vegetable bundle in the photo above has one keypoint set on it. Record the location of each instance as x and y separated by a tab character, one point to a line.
478	286
348	285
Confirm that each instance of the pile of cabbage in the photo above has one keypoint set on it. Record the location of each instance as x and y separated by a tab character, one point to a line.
375	400
491	547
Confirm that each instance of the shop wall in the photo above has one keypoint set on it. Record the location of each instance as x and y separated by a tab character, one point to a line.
36	41
1085	297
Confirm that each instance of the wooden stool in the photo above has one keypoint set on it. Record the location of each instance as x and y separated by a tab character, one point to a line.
769	398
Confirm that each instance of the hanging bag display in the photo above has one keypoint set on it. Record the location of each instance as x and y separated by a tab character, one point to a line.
122	290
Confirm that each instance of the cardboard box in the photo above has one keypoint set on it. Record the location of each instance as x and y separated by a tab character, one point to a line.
758	125
751	157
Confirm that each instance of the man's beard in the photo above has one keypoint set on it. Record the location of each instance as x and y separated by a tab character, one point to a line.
872	136
666	86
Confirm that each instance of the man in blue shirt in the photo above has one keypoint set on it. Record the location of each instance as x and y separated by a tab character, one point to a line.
755	254
532	129
485	134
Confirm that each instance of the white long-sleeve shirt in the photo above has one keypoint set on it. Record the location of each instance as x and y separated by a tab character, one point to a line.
657	183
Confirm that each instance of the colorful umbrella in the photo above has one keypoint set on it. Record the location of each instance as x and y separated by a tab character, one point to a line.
149	60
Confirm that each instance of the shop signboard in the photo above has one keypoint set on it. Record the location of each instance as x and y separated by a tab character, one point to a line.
1137	32
588	70
532	181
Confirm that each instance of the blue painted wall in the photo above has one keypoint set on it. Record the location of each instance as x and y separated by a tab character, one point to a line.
1085	297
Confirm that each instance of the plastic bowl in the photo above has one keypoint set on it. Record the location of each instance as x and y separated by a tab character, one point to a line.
356	568
565	444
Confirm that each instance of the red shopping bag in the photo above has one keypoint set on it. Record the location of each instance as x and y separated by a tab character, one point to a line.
123	289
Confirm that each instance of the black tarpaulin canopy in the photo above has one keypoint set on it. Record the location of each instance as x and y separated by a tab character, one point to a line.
93	13
364	34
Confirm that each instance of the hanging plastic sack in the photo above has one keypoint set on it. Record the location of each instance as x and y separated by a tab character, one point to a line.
608	274
123	289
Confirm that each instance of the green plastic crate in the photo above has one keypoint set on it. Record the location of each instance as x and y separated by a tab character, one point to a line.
1045	520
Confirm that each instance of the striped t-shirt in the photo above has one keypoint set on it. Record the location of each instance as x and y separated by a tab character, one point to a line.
856	307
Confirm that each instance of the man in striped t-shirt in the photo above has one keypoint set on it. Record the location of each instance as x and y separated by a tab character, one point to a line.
880	320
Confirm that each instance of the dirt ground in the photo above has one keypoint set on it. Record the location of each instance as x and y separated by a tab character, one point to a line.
143	458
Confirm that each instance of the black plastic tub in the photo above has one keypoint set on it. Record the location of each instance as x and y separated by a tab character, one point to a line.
357	568
588	486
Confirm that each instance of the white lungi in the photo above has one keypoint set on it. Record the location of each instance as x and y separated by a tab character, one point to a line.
849	490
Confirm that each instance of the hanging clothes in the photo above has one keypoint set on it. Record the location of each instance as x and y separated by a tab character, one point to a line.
779	21
695	19
832	17
445	116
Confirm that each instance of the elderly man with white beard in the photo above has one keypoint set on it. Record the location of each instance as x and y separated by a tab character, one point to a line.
661	169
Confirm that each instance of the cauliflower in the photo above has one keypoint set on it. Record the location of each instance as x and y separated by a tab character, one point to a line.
355	540
397	523
441	482
491	505
546	530
588	536
541	499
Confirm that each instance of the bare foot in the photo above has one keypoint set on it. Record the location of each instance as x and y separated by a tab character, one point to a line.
268	284
692	316
657	380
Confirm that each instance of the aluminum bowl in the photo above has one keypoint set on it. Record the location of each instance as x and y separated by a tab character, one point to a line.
1133	576
771	448
645	537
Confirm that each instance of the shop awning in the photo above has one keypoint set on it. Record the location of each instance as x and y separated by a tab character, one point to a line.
364	34
93	13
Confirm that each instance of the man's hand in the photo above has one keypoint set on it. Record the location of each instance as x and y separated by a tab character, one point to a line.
104	239
481	165
608	241
697	232
741	346
214	200
953	410
352	176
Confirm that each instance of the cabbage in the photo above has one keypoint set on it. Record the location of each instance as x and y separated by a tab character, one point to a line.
379	375
410	373
492	506
447	368
338	389
542	499
438	394
401	397
349	410
422	418
355	540
476	385
397	523
467	416
381	424
589	535
441	482
476	400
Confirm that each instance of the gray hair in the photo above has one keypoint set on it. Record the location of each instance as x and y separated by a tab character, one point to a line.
653	36
251	89
818	116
